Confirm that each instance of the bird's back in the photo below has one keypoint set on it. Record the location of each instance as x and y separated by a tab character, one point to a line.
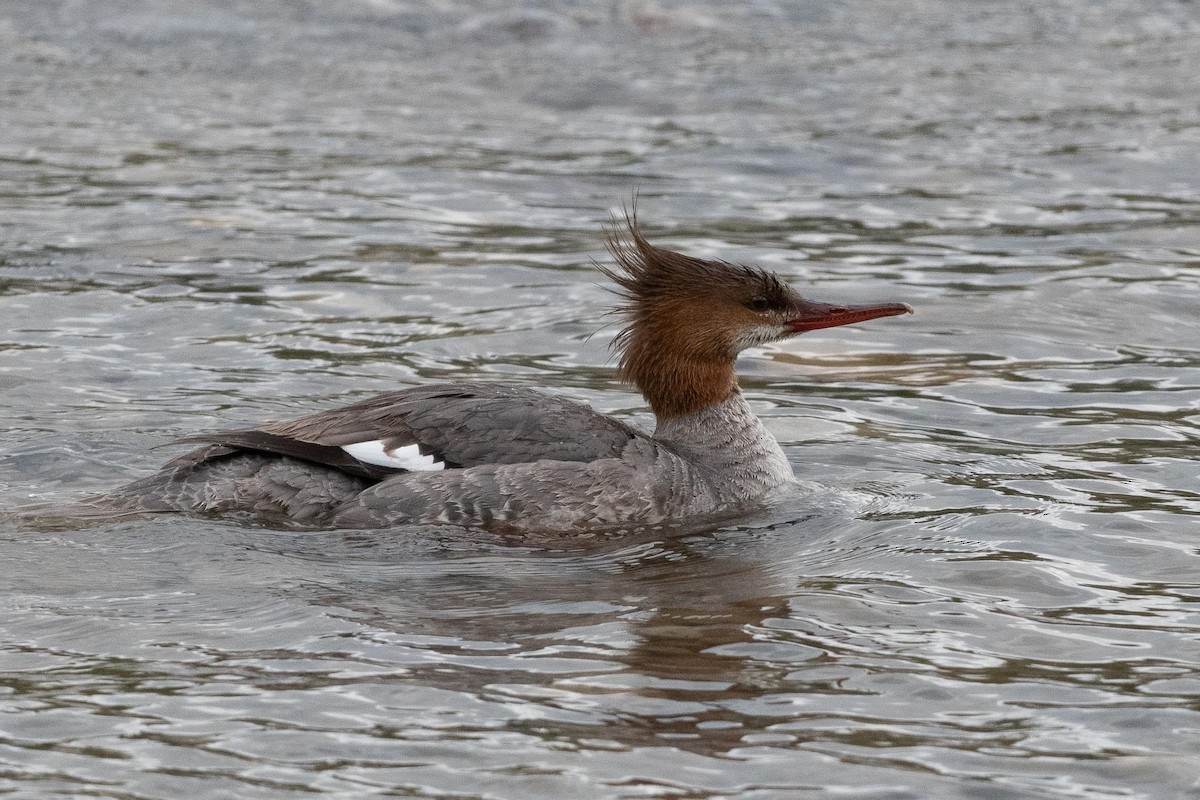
307	469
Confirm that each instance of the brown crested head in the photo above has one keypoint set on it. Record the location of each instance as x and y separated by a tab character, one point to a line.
688	318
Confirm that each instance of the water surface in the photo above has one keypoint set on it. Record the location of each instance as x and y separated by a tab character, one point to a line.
212	215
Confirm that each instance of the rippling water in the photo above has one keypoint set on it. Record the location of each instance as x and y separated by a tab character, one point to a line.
215	214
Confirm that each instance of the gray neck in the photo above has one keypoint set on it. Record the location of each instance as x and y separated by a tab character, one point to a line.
730	445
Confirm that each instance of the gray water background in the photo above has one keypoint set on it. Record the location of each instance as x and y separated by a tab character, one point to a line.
212	214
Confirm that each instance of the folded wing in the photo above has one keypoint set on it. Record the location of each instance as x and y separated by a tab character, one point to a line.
432	428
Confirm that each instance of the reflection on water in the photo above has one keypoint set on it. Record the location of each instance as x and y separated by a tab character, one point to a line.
988	587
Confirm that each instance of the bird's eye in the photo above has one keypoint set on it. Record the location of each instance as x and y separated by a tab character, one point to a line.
758	303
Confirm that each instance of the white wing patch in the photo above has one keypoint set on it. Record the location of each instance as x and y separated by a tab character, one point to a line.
408	457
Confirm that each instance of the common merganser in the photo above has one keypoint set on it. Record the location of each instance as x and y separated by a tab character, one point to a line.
512	458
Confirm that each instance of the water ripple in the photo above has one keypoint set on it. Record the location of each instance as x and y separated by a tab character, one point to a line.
984	584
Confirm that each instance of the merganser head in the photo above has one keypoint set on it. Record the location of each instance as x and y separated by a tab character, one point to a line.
689	318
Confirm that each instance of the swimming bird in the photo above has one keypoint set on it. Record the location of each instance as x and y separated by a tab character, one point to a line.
516	458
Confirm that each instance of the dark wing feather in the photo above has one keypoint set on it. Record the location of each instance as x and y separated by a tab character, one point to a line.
462	425
227	443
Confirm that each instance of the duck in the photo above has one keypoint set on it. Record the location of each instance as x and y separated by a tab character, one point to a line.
517	458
